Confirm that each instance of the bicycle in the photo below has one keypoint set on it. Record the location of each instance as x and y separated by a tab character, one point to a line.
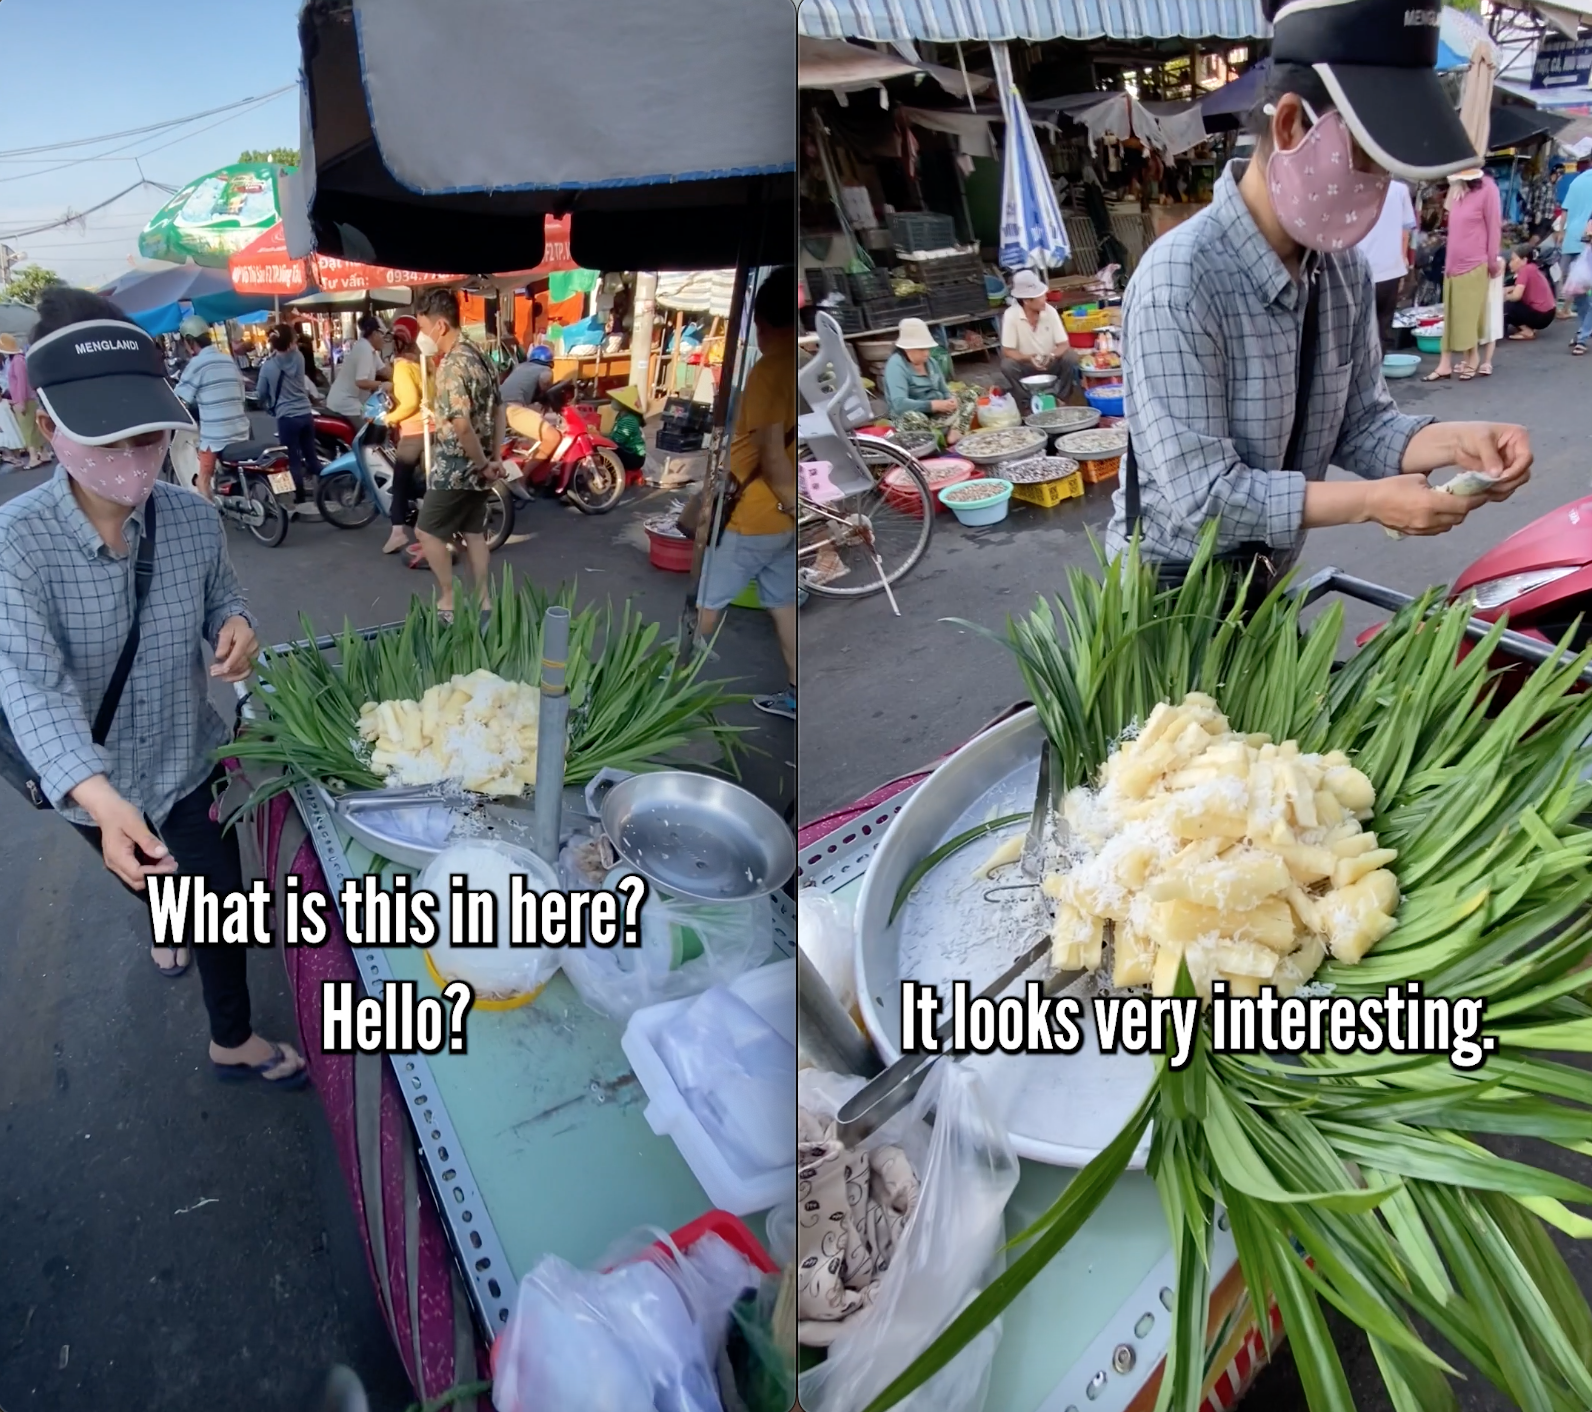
864	506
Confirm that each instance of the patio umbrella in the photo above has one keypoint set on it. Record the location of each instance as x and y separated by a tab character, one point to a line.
213	218
1032	233
265	267
17	319
157	300
1476	96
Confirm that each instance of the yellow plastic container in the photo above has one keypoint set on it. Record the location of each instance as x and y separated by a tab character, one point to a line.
508	1002
1049	493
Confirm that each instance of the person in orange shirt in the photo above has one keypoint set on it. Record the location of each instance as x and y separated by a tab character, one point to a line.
759	540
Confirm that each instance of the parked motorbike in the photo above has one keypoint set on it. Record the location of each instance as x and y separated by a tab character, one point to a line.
584	468
334	435
1540	578
251	479
357	486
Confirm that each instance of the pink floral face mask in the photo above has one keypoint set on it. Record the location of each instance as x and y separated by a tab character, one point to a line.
1321	199
126	477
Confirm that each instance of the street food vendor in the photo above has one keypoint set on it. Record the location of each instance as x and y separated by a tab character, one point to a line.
1215	315
1033	341
916	392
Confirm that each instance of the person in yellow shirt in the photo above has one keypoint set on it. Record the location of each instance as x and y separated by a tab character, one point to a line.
405	417
759	540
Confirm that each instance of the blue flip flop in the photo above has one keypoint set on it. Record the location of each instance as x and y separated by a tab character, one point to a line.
171	973
241	1073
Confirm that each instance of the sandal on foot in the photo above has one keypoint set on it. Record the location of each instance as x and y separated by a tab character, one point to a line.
1465	374
180	969
1577	349
241	1073
1437	377
1484	371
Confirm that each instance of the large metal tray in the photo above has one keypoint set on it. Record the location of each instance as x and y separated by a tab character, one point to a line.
1061	1109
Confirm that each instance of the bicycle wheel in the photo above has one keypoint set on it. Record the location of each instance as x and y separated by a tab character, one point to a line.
894	518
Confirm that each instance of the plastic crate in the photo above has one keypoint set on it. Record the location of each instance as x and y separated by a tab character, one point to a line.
1049	493
686	414
827	281
1095	472
954	299
922	230
945	269
886	313
849	317
872	284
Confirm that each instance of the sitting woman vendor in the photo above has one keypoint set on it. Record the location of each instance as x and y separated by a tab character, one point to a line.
1033	341
916	392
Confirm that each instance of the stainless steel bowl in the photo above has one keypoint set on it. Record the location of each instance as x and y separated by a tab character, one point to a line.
698	837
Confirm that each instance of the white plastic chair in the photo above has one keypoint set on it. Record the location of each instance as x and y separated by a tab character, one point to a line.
832	386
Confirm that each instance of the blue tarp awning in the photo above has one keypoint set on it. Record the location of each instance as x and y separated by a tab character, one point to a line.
945	21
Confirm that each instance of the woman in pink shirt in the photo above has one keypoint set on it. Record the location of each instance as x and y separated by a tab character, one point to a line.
18	392
1475	226
1529	302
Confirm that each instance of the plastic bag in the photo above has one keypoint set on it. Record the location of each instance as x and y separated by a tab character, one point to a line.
10	431
1579	278
735	1072
623	1341
501	971
998	410
826	933
946	1255
686	947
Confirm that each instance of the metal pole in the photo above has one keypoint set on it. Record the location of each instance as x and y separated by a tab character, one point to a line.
551	735
827	1033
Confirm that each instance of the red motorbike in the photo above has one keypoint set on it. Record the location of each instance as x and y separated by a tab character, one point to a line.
334	435
584	467
1540	578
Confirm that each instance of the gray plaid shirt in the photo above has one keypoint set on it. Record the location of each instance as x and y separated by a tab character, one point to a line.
66	604
1211	332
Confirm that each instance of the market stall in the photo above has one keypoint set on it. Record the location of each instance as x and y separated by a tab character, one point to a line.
1097	1307
551	1092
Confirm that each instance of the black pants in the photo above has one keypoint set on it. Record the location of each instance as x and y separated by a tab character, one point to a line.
1517	315
408	484
298	435
203	850
1387	302
629	459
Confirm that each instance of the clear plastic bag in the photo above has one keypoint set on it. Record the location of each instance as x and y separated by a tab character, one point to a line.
686	947
947	1254
826	933
621	1341
735	1072
1578	279
999	410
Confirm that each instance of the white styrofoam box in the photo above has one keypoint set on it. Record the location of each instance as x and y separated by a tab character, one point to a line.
771	991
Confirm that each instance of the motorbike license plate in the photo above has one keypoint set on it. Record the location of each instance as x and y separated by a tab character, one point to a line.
281	482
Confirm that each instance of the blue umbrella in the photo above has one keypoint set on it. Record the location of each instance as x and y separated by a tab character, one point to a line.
1032	233
158	300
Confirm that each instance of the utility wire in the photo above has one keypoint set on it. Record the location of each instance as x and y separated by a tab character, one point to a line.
140	131
72	216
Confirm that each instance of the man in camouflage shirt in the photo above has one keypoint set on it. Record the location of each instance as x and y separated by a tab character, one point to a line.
466	417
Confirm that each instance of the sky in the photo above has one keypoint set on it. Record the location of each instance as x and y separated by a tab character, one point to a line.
85	68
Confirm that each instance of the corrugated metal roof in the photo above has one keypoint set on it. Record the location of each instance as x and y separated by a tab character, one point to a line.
947	20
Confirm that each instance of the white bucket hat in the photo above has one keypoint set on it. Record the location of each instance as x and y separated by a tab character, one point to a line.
1027	285
914	333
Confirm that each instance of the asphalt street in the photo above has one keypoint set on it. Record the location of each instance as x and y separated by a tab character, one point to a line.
884	696
166	1244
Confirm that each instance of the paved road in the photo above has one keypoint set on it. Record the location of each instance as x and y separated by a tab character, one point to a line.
167	1245
883	696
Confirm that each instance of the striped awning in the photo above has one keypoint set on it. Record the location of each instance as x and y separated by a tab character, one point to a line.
945	21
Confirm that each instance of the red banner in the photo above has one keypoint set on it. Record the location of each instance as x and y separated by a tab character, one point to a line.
265	267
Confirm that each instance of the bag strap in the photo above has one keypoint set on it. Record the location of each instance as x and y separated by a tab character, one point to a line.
143	573
1309	340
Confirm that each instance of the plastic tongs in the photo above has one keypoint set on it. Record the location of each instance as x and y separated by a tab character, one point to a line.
881	1098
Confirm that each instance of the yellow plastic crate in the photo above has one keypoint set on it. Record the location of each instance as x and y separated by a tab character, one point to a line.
1048	493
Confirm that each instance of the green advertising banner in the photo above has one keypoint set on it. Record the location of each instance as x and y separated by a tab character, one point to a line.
215	217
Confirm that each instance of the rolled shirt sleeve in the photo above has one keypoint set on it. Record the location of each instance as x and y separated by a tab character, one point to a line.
41	705
1175	378
1375	434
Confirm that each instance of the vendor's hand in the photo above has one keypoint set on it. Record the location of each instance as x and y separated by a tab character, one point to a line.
236	645
1497	449
123	834
1406	504
943	404
1042	360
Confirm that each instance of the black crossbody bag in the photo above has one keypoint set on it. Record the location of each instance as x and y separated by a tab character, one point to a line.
14	766
1252	557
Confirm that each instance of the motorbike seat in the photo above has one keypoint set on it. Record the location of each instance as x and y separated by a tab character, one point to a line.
244	451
